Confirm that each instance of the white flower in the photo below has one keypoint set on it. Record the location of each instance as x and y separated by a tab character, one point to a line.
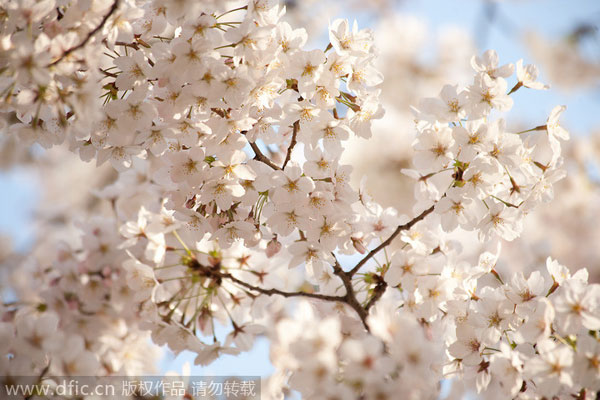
365	359
290	40
488	63
473	138
492	314
555	131
468	345
404	267
307	67
504	221
587	362
209	353
349	42
538	324
507	367
36	335
448	107
319	164
453	209
287	217
522	291
363	76
480	177
310	253
551	368
360	121
187	166
135	70
74	360
577	305
222	192
140	278
486	94
527	76
290	185
434	149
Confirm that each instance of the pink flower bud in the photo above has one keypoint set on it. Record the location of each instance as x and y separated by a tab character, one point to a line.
359	246
273	247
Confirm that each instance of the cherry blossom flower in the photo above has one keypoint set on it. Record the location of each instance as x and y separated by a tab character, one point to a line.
489	64
527	76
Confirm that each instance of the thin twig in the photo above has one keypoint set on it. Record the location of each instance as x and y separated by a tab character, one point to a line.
258	155
288	156
389	240
112	10
273	291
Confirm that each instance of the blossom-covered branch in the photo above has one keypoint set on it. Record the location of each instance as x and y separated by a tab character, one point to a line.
208	242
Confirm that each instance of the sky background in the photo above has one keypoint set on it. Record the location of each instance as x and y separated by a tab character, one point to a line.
551	18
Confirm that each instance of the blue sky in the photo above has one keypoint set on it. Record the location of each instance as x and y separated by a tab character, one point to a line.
552	18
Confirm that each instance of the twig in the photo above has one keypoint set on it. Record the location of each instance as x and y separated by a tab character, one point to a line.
230	11
288	156
112	10
258	155
389	240
273	291
377	293
350	297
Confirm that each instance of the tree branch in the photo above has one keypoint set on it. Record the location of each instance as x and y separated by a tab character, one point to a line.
258	155
389	240
273	291
112	10
379	290
350	297
288	156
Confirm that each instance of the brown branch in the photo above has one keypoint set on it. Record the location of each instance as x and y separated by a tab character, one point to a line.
112	10
379	290
389	240
288	156
258	155
350	296
273	291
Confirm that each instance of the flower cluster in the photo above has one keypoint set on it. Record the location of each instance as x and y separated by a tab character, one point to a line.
73	316
226	135
327	363
533	336
483	176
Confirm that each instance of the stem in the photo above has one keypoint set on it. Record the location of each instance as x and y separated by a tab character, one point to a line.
506	203
350	297
230	11
288	156
273	291
182	242
389	240
515	88
225	46
258	155
537	128
377	293
112	10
